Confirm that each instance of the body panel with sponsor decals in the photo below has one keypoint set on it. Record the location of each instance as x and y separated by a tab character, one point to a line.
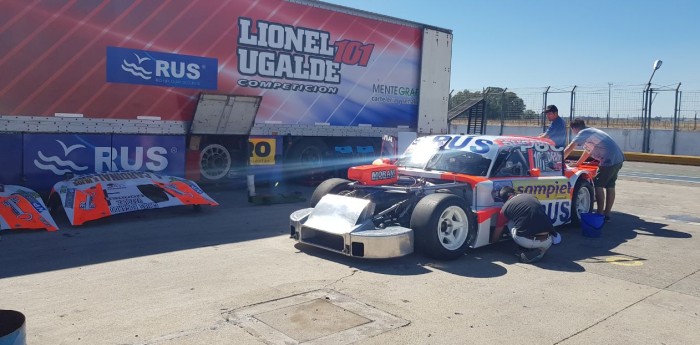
23	208
94	196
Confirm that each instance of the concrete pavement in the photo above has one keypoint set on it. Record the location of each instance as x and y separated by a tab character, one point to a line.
172	276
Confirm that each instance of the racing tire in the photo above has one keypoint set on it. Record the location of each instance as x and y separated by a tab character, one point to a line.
214	162
443	226
583	195
330	186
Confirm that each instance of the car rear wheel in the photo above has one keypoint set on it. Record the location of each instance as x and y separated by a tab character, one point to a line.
582	201
330	186
443	226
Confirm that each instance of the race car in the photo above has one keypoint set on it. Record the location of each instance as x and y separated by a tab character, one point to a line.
440	197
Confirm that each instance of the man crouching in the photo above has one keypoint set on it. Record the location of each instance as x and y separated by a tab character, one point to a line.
531	225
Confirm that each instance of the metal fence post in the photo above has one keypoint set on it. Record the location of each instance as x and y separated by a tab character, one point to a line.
503	113
675	120
572	110
607	125
542	115
647	123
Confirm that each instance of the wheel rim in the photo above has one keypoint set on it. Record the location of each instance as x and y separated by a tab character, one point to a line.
215	162
583	201
453	228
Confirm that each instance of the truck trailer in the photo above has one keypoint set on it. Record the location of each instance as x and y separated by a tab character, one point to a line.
209	90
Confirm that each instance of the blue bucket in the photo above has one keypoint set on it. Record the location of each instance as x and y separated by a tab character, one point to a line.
12	331
592	224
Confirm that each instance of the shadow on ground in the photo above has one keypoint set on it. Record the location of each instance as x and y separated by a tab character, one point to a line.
145	233
492	261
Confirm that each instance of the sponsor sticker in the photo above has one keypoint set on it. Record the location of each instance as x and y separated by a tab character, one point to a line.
544	189
145	67
262	151
383	175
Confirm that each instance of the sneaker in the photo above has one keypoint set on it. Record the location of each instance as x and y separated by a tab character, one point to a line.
607	219
531	256
556	238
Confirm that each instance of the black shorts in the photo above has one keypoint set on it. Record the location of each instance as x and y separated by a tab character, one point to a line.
606	176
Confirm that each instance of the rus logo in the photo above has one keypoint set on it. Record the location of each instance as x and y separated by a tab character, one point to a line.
145	67
142	67
106	159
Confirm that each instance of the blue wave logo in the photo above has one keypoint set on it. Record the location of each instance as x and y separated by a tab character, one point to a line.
59	166
145	67
136	69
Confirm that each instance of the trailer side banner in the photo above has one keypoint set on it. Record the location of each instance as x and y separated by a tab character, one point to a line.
123	59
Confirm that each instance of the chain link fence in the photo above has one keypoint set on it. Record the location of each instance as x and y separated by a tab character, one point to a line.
609	106
688	110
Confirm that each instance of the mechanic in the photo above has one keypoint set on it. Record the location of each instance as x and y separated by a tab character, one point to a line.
601	147
531	225
557	129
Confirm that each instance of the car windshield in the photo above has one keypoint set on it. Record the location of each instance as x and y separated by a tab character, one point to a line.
429	156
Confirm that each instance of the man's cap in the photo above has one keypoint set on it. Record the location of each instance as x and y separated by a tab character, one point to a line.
552	108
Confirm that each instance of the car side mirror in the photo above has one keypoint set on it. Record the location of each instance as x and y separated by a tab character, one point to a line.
535	172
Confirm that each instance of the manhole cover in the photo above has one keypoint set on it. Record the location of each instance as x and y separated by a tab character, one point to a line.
316	317
311	320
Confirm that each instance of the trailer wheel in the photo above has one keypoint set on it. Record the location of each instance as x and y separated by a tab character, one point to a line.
330	186
443	226
214	162
582	201
306	158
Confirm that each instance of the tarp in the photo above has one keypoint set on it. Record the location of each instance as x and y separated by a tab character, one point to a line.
22	208
94	196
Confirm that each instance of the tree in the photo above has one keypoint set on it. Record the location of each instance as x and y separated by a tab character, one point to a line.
499	102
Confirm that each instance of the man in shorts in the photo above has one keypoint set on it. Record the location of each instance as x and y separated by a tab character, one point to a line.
531	226
601	147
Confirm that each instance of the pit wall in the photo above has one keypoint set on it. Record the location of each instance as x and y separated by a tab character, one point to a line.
630	140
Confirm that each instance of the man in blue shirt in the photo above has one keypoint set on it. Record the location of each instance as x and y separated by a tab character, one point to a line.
557	129
601	147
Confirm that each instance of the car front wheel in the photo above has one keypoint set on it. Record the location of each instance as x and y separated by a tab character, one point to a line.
443	226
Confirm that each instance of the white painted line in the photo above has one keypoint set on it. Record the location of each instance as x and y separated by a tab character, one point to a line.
656	178
652	174
641	216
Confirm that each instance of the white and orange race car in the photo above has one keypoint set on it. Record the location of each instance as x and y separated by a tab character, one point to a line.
440	196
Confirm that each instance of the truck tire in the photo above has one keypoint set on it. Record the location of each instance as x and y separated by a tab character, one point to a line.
443	226
306	159
330	186
582	200
214	162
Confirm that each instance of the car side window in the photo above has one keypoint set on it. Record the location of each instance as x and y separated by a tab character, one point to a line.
549	161
512	163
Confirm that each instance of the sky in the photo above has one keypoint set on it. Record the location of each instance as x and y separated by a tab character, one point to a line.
539	43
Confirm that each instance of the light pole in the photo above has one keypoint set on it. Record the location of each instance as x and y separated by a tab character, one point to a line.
647	116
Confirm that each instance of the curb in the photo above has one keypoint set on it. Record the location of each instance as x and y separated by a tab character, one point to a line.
655	158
